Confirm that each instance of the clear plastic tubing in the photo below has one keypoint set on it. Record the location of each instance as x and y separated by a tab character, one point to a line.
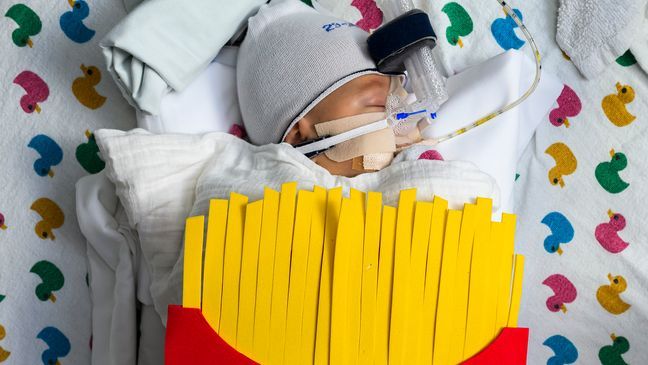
426	79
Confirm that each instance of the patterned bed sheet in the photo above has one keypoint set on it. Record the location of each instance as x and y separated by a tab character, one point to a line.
55	92
579	185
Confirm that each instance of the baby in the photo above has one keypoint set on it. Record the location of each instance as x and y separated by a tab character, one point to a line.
298	68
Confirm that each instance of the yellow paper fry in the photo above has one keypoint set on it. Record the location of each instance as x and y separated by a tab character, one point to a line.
462	281
191	286
322	340
309	321
516	295
399	330
370	278
282	272
420	237
432	274
265	275
214	252
348	236
478	306
249	264
354	289
232	267
442	344
298	267
507	232
385	282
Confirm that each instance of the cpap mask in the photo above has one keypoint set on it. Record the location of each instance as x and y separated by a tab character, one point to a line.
405	43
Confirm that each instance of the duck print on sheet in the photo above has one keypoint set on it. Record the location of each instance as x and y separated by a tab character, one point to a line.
461	24
609	296
614	106
3	223
613	354
57	343
607	173
4	354
29	25
569	105
372	16
564	292
564	350
503	30
52	217
87	154
562	232
607	234
50	154
565	160
36	91
71	22
51	280
83	88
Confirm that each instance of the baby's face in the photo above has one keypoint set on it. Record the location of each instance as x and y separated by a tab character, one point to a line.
365	94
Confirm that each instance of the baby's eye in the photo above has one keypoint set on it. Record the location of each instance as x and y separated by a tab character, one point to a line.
616	281
624	90
555	180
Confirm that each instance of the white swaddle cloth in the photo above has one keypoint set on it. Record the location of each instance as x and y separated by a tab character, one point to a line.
163	179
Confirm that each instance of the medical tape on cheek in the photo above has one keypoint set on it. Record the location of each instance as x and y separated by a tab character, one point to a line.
375	142
377	161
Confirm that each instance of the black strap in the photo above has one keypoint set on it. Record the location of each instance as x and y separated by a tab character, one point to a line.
390	44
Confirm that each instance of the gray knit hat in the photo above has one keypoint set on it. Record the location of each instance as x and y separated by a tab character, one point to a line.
292	58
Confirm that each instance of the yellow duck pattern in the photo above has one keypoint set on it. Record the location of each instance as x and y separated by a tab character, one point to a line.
566	163
609	297
51	217
4	354
83	88
614	105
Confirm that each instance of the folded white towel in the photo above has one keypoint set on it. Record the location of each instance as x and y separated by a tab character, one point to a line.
163	45
595	33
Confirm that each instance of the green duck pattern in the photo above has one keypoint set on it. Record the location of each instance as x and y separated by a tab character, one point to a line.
87	154
28	22
51	280
626	59
607	173
613	354
461	24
